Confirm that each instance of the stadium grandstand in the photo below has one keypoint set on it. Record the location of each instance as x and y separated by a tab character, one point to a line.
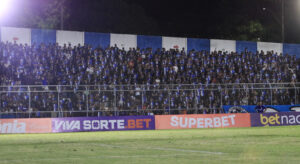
131	81
52	80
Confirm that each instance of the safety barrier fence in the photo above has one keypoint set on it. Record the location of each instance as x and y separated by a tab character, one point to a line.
116	123
120	100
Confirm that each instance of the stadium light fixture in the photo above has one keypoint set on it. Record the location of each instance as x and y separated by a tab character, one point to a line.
4	7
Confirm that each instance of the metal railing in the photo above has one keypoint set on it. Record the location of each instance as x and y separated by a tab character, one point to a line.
107	100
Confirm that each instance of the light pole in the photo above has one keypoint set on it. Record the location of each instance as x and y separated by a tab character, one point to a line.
61	17
62	6
280	21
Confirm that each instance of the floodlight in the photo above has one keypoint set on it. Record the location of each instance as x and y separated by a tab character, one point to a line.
4	5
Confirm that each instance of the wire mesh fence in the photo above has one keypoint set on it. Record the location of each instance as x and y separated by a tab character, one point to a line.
116	100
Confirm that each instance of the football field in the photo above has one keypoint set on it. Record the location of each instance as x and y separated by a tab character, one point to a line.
232	145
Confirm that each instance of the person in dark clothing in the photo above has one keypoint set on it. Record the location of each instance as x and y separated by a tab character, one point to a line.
260	108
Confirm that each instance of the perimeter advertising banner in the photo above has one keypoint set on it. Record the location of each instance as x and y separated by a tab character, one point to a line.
34	125
275	119
78	124
202	121
269	108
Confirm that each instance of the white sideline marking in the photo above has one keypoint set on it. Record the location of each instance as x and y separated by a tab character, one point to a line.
161	148
140	156
190	151
102	156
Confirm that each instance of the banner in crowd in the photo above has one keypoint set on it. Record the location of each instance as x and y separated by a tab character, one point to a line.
202	121
77	124
34	125
251	108
275	119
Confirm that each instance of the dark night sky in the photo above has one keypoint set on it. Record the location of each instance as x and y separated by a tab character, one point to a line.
210	18
197	18
188	18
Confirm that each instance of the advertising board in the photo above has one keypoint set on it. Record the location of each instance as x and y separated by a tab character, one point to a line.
275	119
269	108
202	121
77	124
34	125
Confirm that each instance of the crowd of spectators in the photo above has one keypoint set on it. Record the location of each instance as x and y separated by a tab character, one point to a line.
143	77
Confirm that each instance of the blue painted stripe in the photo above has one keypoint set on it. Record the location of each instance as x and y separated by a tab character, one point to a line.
39	36
242	45
292	49
198	44
97	39
153	42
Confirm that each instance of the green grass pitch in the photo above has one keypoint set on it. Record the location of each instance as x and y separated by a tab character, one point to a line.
232	145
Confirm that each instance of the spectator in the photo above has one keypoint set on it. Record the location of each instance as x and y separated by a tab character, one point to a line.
80	65
260	108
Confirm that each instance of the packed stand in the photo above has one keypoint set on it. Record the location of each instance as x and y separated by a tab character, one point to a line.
139	80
